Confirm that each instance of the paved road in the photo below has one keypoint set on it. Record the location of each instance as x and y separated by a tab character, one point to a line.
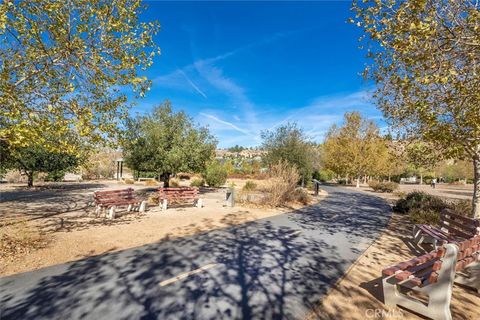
275	268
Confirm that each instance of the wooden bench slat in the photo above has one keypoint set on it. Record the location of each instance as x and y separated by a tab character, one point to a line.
463	227
466	220
110	198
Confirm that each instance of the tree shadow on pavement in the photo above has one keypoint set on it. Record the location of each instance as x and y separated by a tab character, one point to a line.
269	269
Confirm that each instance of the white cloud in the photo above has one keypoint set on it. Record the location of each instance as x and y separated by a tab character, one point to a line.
194	86
226	123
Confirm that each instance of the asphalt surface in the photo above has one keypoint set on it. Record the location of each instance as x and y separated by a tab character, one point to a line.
275	268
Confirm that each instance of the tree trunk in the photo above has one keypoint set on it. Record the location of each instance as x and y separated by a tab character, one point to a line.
421	178
165	177
476	187
30	179
358	182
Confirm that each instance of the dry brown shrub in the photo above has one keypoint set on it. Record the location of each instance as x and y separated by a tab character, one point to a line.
154	199
129	181
151	183
302	196
280	187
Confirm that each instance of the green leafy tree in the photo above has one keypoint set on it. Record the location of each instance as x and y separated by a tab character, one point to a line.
37	158
289	143
354	149
236	149
425	63
70	64
167	142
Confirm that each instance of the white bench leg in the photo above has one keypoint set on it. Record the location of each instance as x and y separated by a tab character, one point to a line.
129	208
164	205
111	214
199	203
98	209
143	206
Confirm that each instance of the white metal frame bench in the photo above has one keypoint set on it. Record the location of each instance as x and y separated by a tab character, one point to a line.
453	227
432	276
179	195
112	199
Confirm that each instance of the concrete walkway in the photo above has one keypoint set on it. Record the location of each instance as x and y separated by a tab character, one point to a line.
276	268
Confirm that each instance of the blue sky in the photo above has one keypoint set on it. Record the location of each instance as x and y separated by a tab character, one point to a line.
244	67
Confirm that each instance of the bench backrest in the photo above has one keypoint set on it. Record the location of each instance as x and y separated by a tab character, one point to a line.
112	196
178	193
458	225
428	266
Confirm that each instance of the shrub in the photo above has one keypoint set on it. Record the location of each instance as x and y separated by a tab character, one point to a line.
425	208
184	176
424	216
215	175
174	183
373	184
383	186
342	181
281	185
154	199
129	181
301	195
249	186
420	200
197	183
151	183
462	207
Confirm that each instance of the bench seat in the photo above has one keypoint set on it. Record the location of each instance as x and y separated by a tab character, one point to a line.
432	275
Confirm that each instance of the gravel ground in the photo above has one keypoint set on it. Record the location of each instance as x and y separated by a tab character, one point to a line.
63	214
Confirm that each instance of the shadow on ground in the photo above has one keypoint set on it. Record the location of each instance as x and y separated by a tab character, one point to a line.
276	268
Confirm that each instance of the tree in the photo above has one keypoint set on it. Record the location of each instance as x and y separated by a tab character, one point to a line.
236	149
289	143
37	158
426	62
167	143
422	157
70	64
353	149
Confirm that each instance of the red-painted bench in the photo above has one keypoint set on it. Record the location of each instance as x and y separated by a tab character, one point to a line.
453	227
432	276
115	198
179	195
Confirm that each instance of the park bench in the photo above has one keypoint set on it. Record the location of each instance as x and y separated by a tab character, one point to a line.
424	284
179	195
453	227
115	198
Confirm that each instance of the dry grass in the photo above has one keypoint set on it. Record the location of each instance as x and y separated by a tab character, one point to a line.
19	239
281	184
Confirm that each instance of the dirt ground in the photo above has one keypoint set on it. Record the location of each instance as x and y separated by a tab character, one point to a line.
359	295
63	216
